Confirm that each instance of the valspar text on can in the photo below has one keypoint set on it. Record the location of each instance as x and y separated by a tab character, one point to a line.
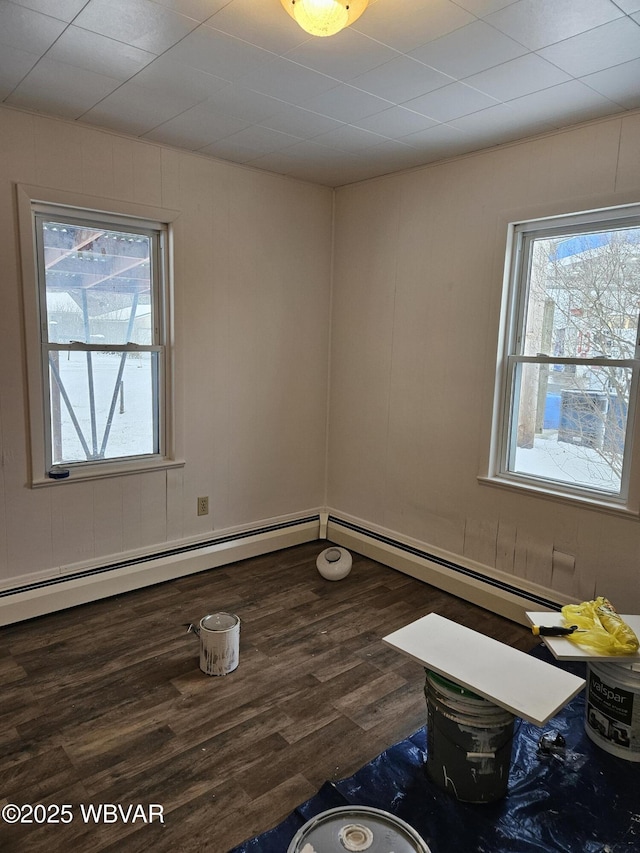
612	709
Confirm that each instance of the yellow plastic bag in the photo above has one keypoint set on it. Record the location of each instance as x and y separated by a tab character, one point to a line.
601	628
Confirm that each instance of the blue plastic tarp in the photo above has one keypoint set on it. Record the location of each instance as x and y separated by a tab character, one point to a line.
573	799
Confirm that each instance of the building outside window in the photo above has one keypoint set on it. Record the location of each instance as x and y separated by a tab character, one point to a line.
101	306
570	373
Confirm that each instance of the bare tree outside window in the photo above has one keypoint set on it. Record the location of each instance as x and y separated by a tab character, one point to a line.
572	368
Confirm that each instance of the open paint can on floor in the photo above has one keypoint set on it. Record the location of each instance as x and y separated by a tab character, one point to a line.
612	709
469	742
356	828
219	643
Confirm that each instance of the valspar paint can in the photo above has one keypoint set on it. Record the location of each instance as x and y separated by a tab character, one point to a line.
219	643
469	742
612	709
356	828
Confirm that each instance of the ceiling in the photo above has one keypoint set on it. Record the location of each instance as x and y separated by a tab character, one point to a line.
411	82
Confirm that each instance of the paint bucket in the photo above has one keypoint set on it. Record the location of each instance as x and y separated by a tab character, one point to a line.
356	828
219	643
612	709
469	742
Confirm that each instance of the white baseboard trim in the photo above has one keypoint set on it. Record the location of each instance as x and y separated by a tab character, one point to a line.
58	593
497	591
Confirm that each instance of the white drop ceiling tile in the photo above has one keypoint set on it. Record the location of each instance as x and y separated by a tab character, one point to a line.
63	10
343	56
261	139
136	110
518	77
431	20
199	10
100	54
288	81
620	83
565	104
450	102
401	79
300	122
333	174
603	47
395	122
389	157
196	127
219	54
482	8
225	150
469	50
14	65
309	151
59	89
349	138
24	29
243	103
266	25
500	124
346	103
142	23
440	142
164	75
538	23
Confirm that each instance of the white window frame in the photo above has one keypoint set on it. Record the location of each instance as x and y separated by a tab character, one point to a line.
519	237
34	203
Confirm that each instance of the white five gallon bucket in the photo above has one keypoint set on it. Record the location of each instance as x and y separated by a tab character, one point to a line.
612	709
356	828
219	643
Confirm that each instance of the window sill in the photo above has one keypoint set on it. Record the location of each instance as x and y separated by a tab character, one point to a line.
109	470
585	501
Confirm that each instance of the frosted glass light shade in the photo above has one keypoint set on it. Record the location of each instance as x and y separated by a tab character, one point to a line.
324	17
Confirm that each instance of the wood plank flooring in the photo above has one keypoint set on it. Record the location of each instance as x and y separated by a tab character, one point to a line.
105	703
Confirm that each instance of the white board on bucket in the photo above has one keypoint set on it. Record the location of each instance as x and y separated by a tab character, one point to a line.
524	685
564	649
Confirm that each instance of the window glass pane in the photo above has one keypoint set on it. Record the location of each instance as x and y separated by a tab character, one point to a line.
569	424
584	295
97	284
104	405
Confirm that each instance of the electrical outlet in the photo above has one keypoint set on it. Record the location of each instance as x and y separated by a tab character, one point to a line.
203	506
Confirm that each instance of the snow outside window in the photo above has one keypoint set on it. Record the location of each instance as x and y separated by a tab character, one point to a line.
101	306
570	371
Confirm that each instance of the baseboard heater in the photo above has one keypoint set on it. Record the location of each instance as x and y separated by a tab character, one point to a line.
489	588
64	590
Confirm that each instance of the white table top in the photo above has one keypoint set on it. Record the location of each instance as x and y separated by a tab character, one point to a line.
564	649
518	682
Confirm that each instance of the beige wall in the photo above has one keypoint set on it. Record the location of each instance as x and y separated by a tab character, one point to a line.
416	305
415	314
252	293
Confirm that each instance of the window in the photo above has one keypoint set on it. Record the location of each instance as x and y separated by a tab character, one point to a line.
570	371
101	306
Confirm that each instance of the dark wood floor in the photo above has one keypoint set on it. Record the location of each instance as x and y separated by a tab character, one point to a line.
105	703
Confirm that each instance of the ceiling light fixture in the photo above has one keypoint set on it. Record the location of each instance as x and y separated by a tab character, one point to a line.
324	17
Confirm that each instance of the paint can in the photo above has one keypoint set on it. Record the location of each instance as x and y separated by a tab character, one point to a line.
356	828
469	741
219	643
612	709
